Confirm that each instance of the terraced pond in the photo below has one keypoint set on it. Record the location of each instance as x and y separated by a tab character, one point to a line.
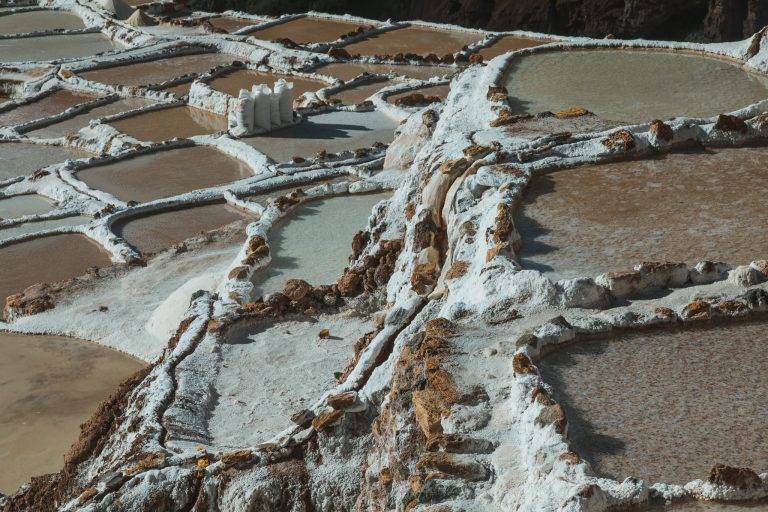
38	21
414	39
169	123
54	47
17	159
305	30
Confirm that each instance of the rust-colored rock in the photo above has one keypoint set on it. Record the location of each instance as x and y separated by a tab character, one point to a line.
475	58
622	139
731	306
553	415
324	334
454	466
458	269
522	365
385	477
496	250
303	418
429	411
662	130
342	401
236	458
572	112
326	420
740	478
296	289
350	284
666	312
570	457
424	277
506	117
339	53
454	167
697	309
504	225
728	123
416	99
240	272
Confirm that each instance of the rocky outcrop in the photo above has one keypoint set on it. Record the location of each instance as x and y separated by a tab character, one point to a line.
710	20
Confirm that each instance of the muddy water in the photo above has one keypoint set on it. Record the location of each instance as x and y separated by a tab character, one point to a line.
330	224
418	40
333	132
19	206
152	233
616	85
231	83
666	406
33	260
439	91
167	123
360	93
349	70
55	103
158	71
306	30
24	159
74	124
165	173
38	21
509	44
708	506
53	47
232	24
685	207
50	386
43	225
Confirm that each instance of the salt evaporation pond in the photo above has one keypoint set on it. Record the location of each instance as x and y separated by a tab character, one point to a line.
27	204
230	24
233	81
39	21
305	30
168	123
632	86
682	207
52	104
74	124
348	70
413	39
157	71
154	232
333	132
54	47
165	173
360	93
17	159
330	225
666	405
51	385
32	261
509	44
43	225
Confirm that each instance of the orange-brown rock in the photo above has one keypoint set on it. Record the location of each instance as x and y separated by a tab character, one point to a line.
453	465
506	117
342	401
424	277
553	415
152	461
496	250
428	410
240	272
728	123
731	306
475	58
416	99
504	225
697	309
32	301
296	289
572	112
570	457
237	458
454	167
385	477
87	494
458	269
257	246
476	151
324	334
662	130
740	478
622	139
326	420
522	365
349	284
667	312
339	53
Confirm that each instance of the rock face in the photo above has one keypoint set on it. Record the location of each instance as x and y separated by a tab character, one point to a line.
706	20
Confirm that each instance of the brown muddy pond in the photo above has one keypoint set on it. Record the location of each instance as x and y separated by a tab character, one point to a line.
666	405
330	224
348	70
72	125
509	44
54	47
333	132
165	124
51	385
418	40
17	159
162	230
27	204
231	24
686	207
165	173
158	71
306	30
232	81
49	105
712	506
48	260
39	21
615	84
360	93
